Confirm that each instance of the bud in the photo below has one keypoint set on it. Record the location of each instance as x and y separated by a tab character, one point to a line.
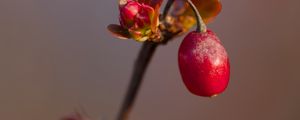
138	19
128	13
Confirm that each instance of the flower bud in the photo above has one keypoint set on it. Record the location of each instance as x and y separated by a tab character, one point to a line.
128	13
138	19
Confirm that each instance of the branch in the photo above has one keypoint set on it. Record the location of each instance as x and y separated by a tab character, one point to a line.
140	67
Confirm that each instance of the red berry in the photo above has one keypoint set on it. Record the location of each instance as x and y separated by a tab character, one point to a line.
204	64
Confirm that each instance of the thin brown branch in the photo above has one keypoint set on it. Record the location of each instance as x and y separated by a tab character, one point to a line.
140	67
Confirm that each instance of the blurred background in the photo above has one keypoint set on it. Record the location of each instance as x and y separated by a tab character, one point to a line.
56	56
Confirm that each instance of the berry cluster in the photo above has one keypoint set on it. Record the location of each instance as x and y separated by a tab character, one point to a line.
202	59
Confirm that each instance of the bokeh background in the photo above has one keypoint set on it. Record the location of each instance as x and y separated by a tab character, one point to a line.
56	56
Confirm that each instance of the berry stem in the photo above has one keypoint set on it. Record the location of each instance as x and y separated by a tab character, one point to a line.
140	67
167	8
201	27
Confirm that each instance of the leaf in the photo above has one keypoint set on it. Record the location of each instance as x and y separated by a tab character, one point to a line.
118	31
208	9
152	3
155	4
155	19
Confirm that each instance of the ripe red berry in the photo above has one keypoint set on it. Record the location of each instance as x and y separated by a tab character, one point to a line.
203	64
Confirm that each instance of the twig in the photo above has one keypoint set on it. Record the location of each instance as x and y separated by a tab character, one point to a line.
140	67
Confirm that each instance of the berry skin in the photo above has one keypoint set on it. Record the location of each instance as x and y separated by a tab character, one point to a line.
203	64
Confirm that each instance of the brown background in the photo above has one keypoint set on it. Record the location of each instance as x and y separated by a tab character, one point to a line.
56	55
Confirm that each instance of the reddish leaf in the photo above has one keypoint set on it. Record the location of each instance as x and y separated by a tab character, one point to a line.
155	20
118	31
208	9
156	4
152	3
182	17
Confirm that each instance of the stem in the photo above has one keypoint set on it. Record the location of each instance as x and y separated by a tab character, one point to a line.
201	27
167	8
140	67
